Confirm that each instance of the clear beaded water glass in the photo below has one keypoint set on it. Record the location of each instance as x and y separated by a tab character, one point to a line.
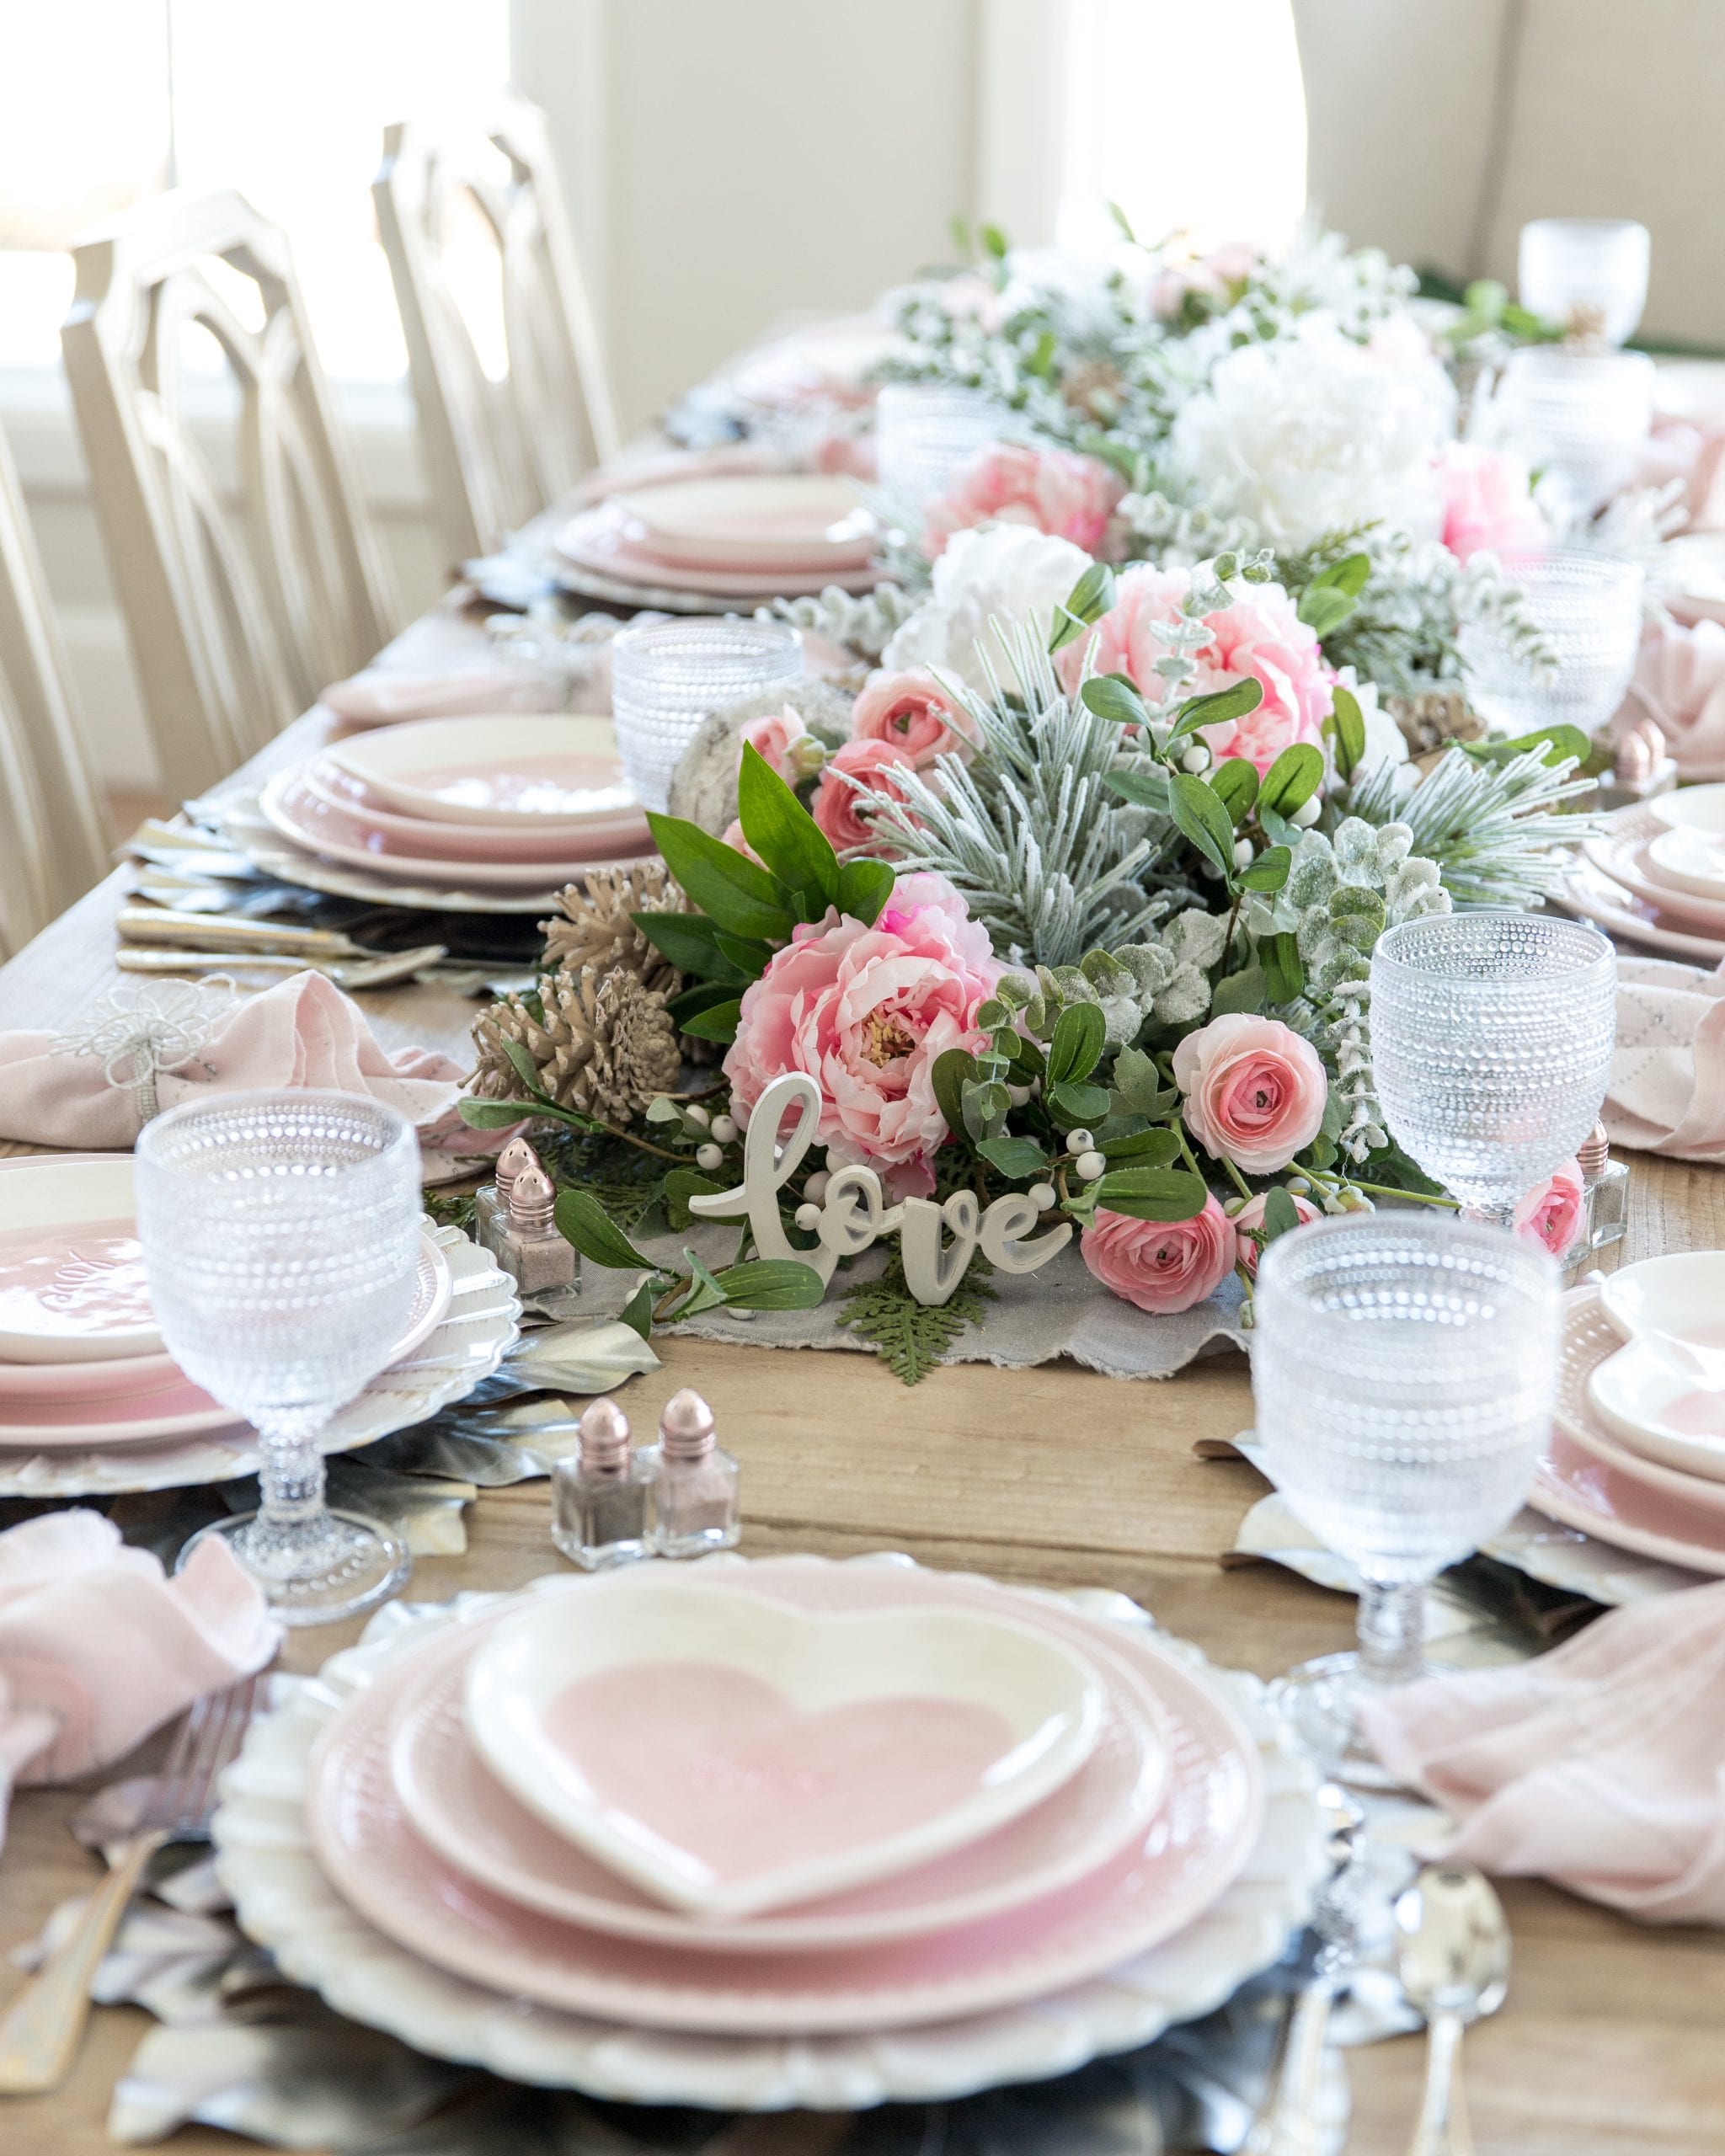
1590	274
1491	1039
1403	1369
926	433
1588	607
667	677
280	1235
1579	418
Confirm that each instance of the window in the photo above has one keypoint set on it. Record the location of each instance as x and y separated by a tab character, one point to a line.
103	102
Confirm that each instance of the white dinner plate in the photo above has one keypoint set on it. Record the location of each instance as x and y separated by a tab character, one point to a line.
1691	808
802	522
1676	1304
1660	1413
71	1274
498	769
1691	862
1587	1413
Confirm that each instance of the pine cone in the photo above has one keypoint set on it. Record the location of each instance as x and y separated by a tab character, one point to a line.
596	932
605	1046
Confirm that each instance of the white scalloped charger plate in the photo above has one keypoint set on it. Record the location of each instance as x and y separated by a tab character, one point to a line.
467	1343
1592	894
283	1898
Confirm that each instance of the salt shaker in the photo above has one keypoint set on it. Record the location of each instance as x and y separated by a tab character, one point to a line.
695	1489
528	1244
491	1205
1605	1185
599	1499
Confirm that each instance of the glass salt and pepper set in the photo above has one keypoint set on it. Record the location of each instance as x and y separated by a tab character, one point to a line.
1605	1184
513	1219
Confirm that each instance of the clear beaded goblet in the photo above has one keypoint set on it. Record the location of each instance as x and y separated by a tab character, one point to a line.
926	433
668	677
1588	607
1403	1367
1491	1043
1579	418
1590	274
280	1234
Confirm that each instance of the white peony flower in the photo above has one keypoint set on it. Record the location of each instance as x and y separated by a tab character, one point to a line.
1004	572
1313	434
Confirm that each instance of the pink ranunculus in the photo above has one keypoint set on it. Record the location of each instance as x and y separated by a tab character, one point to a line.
1250	1217
1488	505
1255	1091
1057	491
838	806
1161	1265
865	1012
1552	1212
1260	636
783	741
914	714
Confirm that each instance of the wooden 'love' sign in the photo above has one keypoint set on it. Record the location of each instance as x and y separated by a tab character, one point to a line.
854	1212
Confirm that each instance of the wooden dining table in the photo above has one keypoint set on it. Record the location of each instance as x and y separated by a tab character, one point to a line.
1611	2041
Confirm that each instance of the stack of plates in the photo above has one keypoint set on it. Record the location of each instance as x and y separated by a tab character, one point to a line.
720	542
89	1400
497	809
775	1833
1637	1457
1656	875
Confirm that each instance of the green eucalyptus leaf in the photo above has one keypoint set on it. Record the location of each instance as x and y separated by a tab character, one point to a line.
1075	1048
771	1283
582	1220
1028	1059
1269	871
864	888
1294	778
737	894
525	1068
1153	1193
1246	990
1199	812
982	1104
1277	829
1235	784
1557	742
1137	1079
1280	1213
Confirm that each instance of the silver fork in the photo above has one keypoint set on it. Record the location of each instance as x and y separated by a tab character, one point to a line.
39	2034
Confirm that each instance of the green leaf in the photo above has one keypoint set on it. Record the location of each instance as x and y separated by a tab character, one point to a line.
1246	990
1079	1104
1557	741
1088	602
1277	829
1017	1157
783	833
682	1184
1294	778
1137	1079
1280	1213
525	1068
741	897
1345	728
912	1337
771	1283
1217	708
496	1115
1235	785
690	941
582	1220
748	959
1144	1148
1323	612
1076	1048
982	1105
1143	789
1201	814
953	1070
994	241
704	1294
1269	871
1153	1193
1349	576
716	1023
864	888
701	996
1283	972
1112	697
1026	1056
637	1312
1123	224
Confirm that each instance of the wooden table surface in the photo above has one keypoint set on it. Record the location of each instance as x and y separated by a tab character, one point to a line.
1613	2037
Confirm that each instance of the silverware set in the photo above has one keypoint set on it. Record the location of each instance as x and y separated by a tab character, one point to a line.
159	940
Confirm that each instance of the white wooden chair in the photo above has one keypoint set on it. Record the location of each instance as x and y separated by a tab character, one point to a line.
51	844
239	610
509	428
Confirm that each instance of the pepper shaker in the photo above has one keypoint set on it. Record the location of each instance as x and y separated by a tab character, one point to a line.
695	1489
1605	1188
599	1499
529	1244
491	1205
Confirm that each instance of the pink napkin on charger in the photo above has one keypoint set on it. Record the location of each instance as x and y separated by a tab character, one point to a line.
302	1032
99	1648
387	699
1680	682
1599	1765
1667	1093
1693	451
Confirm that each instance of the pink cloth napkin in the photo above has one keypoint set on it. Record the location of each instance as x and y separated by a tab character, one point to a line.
1600	1765
1680	682
98	1647
1693	451
1667	1093
302	1032
386	699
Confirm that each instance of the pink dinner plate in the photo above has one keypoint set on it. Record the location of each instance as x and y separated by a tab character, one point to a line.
118	1377
1623	853
290	806
1593	894
348	793
1590	1340
609	540
472	1821
1193	1848
805	522
535	772
1578	1488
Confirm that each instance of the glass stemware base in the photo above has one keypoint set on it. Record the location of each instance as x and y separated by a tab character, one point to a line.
340	1564
1322	1698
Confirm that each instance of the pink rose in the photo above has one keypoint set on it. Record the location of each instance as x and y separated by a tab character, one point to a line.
865	1012
1259	636
783	741
1255	1091
1250	1218
1488	501
1215	279
1161	1265
914	714
1552	1212
838	805
1053	490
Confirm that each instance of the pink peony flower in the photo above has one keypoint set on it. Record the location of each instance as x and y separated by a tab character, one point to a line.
1214	278
1161	1265
914	714
1260	635
1053	490
1250	1216
1255	1091
865	1012
1552	1212
838	806
783	741
1488	505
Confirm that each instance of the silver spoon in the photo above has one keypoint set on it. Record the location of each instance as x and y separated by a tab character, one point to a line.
1288	2124
361	973
1452	1953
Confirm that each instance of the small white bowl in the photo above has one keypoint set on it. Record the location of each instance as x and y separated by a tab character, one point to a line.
1658	1412
1676	1306
1689	861
729	1755
1692	808
57	1301
499	769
